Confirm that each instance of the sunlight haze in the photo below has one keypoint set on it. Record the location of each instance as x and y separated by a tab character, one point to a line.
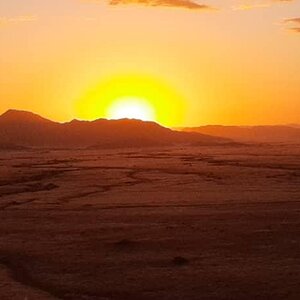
234	62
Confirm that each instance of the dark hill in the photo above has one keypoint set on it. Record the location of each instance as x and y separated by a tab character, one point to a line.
25	129
257	134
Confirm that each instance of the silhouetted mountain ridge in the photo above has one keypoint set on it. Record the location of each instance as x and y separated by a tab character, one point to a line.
26	129
13	115
258	134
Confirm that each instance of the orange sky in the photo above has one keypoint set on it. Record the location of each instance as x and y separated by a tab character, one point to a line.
208	63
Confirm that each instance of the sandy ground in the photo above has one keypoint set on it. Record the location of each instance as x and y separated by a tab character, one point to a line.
168	223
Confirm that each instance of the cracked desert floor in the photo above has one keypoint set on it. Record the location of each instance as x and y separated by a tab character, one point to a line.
159	223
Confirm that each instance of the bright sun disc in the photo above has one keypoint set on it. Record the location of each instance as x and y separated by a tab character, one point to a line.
135	96
131	108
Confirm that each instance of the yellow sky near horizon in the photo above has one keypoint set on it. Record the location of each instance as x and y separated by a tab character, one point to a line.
233	63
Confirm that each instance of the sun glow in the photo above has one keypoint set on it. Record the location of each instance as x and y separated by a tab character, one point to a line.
132	96
131	108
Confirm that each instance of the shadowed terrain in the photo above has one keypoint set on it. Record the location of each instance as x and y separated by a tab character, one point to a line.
153	223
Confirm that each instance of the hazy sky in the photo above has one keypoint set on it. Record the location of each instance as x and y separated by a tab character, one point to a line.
196	62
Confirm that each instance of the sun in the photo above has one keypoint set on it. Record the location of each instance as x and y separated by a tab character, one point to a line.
131	108
132	96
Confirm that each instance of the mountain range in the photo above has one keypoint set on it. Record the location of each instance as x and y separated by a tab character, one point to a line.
22	129
255	134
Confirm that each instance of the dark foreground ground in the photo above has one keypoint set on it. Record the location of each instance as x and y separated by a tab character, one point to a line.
169	223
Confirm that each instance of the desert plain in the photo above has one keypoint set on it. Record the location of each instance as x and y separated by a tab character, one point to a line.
176	223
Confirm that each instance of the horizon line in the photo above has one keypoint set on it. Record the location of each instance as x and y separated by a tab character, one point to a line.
149	121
